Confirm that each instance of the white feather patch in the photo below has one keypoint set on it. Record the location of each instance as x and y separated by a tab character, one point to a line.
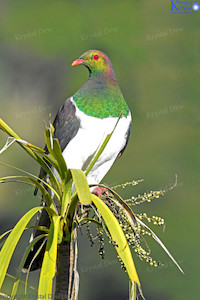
82	148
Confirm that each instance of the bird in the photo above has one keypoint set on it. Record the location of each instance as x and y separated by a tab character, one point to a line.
82	124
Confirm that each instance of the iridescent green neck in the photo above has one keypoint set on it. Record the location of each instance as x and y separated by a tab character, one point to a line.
101	97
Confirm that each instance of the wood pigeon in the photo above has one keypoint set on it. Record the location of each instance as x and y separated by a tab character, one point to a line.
83	122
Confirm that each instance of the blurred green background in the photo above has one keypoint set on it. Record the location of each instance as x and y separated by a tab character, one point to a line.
155	55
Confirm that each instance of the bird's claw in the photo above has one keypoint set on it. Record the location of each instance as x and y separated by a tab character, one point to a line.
99	191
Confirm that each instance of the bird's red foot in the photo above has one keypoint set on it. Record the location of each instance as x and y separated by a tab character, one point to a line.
99	191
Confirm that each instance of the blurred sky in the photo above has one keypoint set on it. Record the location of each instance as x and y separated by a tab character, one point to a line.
155	54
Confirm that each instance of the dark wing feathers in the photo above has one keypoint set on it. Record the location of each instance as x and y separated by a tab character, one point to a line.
127	138
66	126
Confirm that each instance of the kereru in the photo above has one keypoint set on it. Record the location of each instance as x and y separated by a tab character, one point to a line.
83	122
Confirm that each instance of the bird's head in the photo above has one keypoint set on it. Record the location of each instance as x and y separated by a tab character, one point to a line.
96	61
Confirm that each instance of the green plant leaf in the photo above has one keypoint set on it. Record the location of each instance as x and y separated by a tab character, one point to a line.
57	153
32	151
29	268
19	272
54	149
67	191
10	132
21	281
133	290
47	168
49	201
49	143
160	243
69	218
31	175
11	140
5	233
118	236
81	186
49	261
12	240
49	139
40	228
90	220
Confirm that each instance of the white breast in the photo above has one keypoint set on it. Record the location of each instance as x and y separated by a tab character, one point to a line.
82	148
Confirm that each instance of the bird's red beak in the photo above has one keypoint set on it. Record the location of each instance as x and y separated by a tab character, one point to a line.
78	61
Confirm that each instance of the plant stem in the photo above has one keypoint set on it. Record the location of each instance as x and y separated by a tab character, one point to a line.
132	290
67	279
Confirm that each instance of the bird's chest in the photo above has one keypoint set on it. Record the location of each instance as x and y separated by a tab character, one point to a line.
92	132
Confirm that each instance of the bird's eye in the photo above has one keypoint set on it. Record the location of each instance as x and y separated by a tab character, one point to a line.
96	57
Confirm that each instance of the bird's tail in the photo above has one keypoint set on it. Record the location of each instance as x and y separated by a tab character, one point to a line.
43	220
